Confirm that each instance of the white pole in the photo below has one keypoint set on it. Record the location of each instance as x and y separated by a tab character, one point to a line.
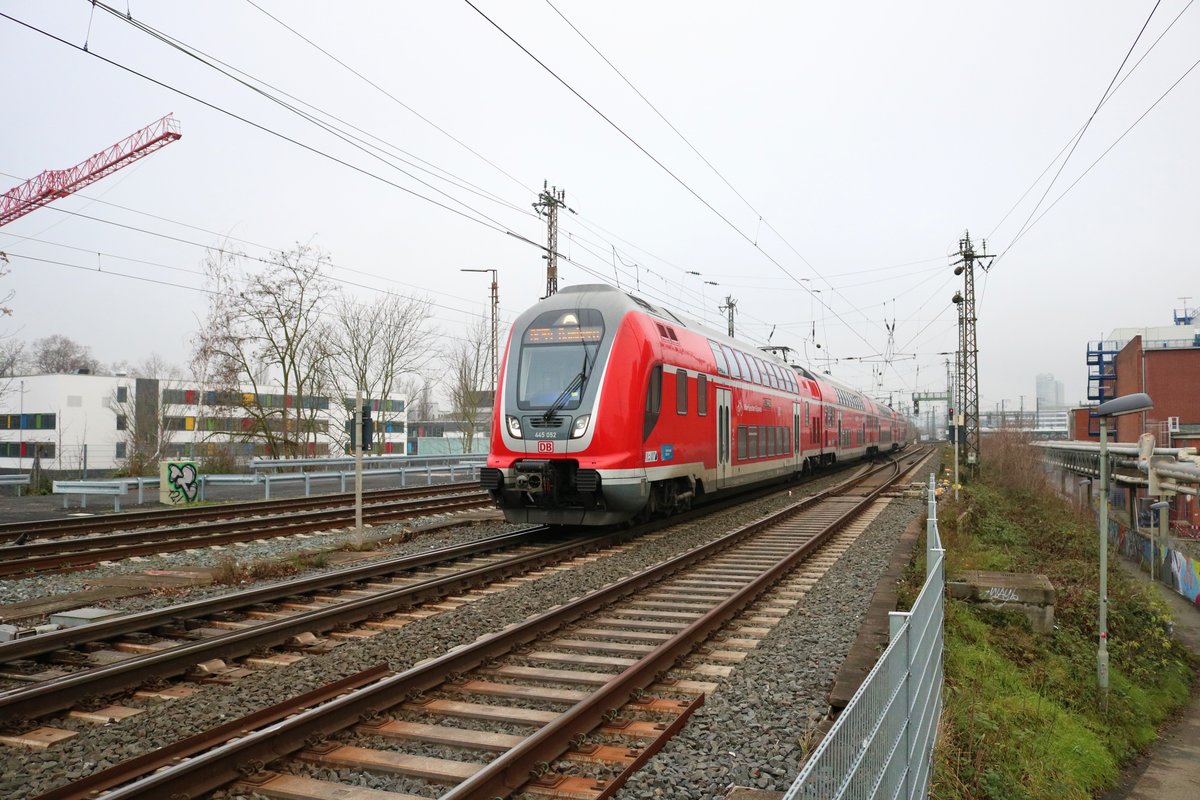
356	441
1102	650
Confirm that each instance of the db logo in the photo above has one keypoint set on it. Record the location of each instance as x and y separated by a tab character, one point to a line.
545	446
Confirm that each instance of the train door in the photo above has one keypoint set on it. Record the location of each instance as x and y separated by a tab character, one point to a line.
797	435
724	437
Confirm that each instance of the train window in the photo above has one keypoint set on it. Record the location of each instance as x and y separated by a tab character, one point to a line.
555	353
719	358
742	371
681	391
769	435
752	443
702	395
755	375
654	391
743	443
653	401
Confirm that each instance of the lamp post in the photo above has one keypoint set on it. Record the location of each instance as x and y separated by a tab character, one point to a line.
21	426
1126	404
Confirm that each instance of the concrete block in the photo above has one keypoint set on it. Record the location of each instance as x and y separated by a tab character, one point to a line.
82	616
9	633
1030	595
1002	587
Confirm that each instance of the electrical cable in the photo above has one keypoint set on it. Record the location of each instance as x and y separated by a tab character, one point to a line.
1086	125
662	166
394	99
272	132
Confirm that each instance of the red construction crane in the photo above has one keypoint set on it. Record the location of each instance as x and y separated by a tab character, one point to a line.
55	183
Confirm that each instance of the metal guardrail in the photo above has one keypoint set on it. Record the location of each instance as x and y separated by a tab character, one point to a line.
115	488
370	462
14	480
454	467
882	744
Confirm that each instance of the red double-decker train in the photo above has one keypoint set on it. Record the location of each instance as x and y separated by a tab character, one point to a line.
609	408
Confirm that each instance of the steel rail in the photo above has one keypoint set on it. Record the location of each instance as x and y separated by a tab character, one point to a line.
222	765
510	770
31	646
130	520
49	555
88	787
59	693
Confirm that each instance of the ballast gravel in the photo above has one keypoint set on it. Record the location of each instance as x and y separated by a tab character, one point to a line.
753	727
17	590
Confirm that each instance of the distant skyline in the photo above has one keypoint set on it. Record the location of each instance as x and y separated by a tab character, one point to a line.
831	157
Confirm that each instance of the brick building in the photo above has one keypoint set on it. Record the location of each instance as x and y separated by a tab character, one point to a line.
1163	362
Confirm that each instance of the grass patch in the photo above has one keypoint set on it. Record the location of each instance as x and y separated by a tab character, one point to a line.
1022	716
230	571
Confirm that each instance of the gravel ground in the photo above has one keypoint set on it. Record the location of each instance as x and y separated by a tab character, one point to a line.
15	590
753	732
24	774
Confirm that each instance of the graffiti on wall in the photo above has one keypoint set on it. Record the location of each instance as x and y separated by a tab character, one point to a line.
178	482
1176	570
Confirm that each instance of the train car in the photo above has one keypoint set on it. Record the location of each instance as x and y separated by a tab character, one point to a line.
609	408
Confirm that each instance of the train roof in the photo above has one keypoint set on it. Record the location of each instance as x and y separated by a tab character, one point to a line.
619	299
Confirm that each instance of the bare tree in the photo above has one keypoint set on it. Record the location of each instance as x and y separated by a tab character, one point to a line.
374	347
11	348
143	416
469	371
12	356
5	309
420	390
57	354
263	331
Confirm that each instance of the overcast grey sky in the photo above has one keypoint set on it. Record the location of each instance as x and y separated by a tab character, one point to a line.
866	135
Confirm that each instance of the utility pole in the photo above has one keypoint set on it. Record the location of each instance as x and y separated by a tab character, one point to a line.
549	202
965	266
730	305
495	344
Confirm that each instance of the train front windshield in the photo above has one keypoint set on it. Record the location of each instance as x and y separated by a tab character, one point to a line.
558	354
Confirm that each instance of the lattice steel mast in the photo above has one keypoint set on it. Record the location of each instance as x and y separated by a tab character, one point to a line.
968	344
549	202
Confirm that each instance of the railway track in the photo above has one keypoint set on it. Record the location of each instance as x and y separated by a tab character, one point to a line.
189	515
68	552
567	704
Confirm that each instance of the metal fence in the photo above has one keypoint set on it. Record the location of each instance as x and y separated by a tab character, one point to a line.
882	744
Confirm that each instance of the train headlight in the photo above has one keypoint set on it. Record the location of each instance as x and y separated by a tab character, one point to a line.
581	425
514	427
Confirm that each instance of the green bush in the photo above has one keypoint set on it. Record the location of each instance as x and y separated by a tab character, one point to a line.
1022	716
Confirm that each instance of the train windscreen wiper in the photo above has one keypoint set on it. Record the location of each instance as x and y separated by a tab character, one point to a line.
577	382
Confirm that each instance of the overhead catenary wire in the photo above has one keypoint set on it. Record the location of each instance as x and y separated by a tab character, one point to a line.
270	131
661	165
1107	90
688	289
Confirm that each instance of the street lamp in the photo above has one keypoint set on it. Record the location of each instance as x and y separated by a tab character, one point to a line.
1127	404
